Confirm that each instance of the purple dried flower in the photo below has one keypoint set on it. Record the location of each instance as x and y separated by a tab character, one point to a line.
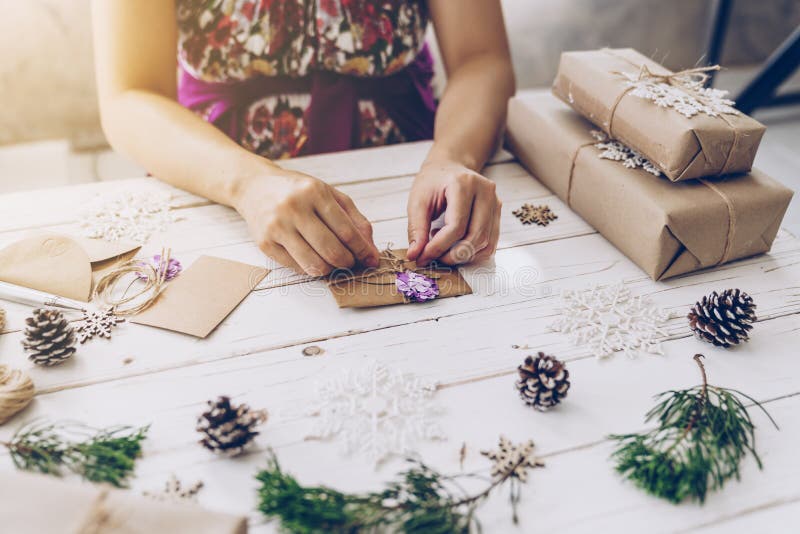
173	268
416	287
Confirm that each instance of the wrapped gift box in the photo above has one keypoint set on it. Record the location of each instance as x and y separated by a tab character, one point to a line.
39	504
666	228
597	84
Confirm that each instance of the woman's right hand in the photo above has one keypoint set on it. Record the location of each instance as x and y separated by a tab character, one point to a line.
306	224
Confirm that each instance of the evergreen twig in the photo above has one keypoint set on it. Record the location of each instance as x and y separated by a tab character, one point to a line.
105	455
421	500
703	434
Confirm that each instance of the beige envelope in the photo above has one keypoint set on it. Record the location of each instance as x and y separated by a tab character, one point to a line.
61	265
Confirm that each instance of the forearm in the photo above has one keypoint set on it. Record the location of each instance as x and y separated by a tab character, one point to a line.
178	147
471	115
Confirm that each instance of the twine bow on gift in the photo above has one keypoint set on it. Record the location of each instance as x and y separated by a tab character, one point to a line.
698	98
415	284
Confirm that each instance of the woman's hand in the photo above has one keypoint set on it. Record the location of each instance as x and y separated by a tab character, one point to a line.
306	224
471	214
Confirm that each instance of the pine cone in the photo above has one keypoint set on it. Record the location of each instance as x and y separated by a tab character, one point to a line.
723	319
49	338
227	429
543	381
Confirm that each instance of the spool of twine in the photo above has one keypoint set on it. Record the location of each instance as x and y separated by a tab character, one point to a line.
16	392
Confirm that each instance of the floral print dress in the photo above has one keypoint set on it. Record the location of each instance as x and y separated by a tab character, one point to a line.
276	48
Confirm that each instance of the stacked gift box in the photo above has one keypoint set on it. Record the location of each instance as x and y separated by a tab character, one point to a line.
653	160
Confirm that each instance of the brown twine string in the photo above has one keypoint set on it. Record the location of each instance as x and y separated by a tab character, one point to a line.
155	277
16	392
97	519
396	265
2	320
726	252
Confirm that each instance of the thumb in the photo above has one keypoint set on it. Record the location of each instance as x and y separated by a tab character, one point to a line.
419	227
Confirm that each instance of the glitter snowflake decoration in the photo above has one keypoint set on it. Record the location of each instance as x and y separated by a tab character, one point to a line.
616	151
416	287
530	214
610	319
686	95
377	411
99	322
129	215
512	460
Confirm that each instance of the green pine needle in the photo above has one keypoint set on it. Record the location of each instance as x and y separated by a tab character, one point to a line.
421	500
106	455
703	434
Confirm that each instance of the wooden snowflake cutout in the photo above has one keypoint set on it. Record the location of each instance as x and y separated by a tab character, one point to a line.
378	412
530	214
616	151
512	460
175	491
610	319
98	322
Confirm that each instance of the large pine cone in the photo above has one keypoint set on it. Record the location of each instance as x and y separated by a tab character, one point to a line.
723	319
543	381
49	338
228	429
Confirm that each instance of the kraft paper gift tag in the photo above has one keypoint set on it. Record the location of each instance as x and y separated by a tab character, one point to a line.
61	265
365	288
86	508
202	296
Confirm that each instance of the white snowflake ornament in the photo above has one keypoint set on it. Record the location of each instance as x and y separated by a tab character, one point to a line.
377	411
98	322
130	215
610	319
616	151
685	94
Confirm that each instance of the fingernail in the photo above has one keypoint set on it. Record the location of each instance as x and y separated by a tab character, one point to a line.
372	261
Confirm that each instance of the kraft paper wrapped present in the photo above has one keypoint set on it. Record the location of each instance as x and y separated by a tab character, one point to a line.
365	288
39	504
666	228
602	84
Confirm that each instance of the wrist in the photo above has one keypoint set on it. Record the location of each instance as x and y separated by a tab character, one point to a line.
252	170
440	155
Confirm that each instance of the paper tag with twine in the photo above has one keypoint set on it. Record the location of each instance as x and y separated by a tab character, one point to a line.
396	280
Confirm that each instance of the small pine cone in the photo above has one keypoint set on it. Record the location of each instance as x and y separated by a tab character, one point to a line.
228	429
723	319
543	381
49	338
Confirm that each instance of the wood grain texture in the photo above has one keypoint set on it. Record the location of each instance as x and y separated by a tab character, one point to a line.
145	375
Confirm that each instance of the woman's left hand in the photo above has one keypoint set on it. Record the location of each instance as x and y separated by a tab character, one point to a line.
471	214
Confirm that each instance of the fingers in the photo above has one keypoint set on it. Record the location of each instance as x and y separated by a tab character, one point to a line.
494	235
419	225
280	255
456	218
306	257
326	245
344	227
480	228
361	222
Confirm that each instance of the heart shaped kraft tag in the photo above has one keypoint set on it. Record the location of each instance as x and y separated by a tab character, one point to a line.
61	265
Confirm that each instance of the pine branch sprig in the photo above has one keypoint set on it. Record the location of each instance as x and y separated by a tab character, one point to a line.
105	455
702	435
420	500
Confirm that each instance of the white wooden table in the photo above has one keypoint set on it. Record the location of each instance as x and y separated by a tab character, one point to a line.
146	375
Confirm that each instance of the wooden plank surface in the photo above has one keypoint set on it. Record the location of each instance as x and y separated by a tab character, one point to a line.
146	375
